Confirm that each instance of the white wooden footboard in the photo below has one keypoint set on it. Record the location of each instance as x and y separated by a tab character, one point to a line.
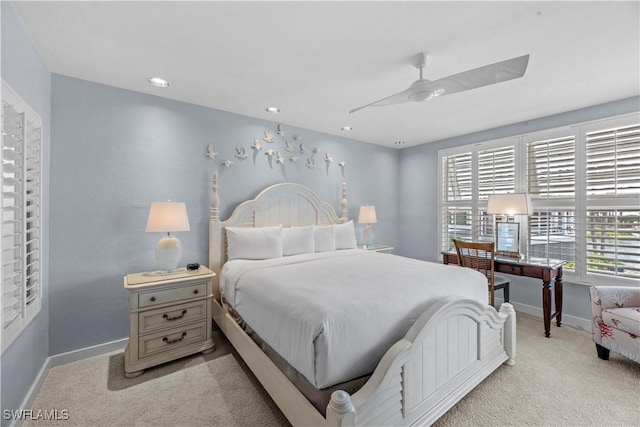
448	351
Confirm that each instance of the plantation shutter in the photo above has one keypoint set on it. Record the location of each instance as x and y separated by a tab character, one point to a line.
458	177
551	170
496	171
551	183
613	211
613	162
496	175
456	221
21	213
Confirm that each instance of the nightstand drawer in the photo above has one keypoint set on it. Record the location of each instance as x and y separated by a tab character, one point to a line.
173	338
194	290
171	317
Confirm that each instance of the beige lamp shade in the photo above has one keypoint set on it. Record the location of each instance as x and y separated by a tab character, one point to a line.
367	215
509	204
167	216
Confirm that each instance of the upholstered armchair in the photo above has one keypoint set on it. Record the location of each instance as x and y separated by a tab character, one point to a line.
615	320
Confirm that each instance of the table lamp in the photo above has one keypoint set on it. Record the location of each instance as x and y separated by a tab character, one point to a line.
165	217
509	205
367	216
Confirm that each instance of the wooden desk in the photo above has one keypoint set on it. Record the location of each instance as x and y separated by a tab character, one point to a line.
547	271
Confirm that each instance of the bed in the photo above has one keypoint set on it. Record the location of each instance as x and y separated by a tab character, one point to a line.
418	358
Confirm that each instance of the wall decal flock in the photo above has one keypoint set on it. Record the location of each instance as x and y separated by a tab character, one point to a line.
294	149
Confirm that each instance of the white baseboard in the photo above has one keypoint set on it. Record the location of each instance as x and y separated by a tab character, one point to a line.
87	352
576	322
33	390
63	359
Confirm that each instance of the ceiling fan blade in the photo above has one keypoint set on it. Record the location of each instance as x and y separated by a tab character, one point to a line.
397	98
423	89
498	72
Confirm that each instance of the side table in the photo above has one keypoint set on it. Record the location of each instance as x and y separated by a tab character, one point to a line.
169	317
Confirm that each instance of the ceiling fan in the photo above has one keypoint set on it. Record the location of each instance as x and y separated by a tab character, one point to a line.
424	90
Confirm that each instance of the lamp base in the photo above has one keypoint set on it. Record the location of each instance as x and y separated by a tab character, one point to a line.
168	252
367	236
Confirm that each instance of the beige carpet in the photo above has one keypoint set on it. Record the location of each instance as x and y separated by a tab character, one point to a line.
556	382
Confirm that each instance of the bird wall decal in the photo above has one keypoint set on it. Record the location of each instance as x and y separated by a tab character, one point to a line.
279	158
210	152
280	130
256	145
268	136
289	146
241	152
226	163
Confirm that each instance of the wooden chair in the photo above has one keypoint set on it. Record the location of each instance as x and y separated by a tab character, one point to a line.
480	256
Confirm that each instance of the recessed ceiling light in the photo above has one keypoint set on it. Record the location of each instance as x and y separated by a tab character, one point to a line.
399	142
273	110
159	82
347	128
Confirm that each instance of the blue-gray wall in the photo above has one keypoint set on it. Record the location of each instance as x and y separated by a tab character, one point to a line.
26	73
115	151
418	189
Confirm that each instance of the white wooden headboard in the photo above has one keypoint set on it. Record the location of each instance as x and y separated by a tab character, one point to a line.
288	204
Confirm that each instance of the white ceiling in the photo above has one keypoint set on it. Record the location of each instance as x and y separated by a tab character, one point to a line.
317	60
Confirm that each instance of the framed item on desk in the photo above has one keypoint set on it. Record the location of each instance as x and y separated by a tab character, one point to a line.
508	239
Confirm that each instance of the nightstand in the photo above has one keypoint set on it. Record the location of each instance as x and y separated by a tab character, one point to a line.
377	248
169	317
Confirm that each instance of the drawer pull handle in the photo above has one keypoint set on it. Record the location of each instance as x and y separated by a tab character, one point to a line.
153	299
195	291
165	339
169	319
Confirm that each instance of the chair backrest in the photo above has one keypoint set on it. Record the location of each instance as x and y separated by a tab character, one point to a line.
476	255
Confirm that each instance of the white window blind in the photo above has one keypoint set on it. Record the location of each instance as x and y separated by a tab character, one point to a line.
457	223
21	212
551	183
613	211
468	177
456	220
458	176
613	162
496	171
552	235
613	242
551	169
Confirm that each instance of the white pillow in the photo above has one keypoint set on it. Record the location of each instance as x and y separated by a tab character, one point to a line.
297	240
346	236
324	238
254	243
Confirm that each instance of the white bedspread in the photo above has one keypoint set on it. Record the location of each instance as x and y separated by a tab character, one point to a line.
333	315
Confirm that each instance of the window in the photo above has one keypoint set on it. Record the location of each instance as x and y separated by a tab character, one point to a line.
551	183
468	177
584	182
20	244
612	208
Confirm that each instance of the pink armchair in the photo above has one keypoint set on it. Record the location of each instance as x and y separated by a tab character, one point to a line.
615	320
